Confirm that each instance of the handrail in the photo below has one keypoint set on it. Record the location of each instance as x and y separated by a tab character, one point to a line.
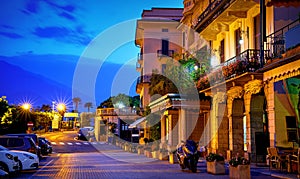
276	41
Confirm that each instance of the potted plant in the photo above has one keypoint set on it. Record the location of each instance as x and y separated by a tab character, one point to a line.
239	167
215	164
140	149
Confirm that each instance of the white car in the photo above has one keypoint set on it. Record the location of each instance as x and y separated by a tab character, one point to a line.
27	160
9	161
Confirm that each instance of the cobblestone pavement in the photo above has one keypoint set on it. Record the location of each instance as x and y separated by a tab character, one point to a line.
113	163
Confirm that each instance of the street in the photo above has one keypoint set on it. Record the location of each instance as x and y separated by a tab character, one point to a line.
81	159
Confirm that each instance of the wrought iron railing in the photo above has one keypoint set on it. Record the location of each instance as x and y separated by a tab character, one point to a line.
276	41
213	10
247	61
162	53
144	79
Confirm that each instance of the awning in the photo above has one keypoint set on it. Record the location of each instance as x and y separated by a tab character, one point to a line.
137	122
286	3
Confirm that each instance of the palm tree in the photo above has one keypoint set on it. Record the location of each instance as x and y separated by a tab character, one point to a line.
88	105
76	101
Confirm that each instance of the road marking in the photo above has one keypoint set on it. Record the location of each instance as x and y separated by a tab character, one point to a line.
40	169
69	143
94	142
61	143
53	143
86	143
77	143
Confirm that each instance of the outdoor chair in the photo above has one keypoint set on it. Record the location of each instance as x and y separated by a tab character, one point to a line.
293	162
276	160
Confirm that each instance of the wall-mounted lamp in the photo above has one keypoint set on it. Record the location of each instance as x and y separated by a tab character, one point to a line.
246	33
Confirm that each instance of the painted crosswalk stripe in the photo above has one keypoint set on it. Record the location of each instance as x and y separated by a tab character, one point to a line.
94	143
61	143
77	143
69	143
86	143
53	143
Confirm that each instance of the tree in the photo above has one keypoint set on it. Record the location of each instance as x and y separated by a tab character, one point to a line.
120	99
46	108
88	105
76	101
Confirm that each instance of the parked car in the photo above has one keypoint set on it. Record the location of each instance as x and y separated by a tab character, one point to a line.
27	160
33	136
9	161
3	174
20	143
85	133
45	145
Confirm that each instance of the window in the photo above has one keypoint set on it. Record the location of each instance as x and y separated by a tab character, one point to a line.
16	142
237	42
165	47
165	30
222	52
163	68
183	39
256	32
291	127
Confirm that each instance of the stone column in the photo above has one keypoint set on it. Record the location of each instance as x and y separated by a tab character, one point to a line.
233	93
269	93
251	88
216	118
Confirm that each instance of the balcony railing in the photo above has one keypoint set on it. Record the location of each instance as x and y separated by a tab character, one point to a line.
276	41
144	79
164	53
213	10
247	61
140	57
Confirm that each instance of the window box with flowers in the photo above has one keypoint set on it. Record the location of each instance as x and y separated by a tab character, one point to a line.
239	168
215	164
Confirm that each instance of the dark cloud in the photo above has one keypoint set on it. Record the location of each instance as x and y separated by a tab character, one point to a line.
67	16
32	6
11	35
7	27
51	32
68	8
63	34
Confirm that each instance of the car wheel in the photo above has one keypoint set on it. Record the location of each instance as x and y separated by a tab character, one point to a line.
4	167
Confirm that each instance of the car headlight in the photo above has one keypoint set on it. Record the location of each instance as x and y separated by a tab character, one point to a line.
9	156
29	156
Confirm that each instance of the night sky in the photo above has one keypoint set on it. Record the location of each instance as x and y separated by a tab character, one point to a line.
58	50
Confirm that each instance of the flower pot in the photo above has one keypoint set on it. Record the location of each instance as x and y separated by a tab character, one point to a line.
216	168
140	151
154	154
163	156
239	172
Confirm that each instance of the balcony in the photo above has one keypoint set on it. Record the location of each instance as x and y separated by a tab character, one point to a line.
165	53
140	58
247	61
283	39
219	14
141	81
138	67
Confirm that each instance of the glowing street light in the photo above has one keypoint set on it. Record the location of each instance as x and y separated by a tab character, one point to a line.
26	106
61	107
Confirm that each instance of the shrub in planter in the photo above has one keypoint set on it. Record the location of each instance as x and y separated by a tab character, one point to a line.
215	164
239	168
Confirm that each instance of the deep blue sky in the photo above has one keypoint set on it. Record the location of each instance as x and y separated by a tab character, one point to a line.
66	40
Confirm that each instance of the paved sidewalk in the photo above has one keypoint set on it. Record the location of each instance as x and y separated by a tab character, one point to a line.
119	154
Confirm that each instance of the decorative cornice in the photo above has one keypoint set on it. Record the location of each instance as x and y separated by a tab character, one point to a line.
219	97
253	87
235	92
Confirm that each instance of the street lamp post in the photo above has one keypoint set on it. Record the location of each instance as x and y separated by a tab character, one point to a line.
61	108
26	107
